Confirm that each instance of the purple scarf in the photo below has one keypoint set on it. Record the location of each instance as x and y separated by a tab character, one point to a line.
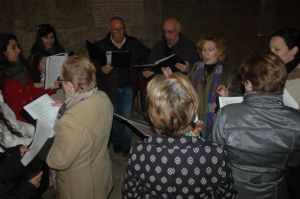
200	76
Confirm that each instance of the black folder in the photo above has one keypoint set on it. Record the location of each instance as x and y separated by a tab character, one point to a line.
100	57
169	61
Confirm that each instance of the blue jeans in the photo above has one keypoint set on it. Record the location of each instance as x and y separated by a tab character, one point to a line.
121	134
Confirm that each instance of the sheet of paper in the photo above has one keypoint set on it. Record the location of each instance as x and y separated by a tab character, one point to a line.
53	68
42	133
42	109
288	100
223	101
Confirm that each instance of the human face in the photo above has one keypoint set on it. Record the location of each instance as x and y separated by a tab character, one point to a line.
210	53
12	52
278	46
48	40
117	30
171	31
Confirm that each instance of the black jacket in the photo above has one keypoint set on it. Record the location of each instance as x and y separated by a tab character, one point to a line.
121	77
262	137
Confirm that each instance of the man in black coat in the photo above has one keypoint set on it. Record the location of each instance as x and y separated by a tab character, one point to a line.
119	83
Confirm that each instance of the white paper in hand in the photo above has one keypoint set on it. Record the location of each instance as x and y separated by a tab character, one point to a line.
41	135
42	108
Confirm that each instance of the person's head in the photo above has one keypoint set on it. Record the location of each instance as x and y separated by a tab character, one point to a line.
38	66
171	29
286	43
116	27
9	48
212	48
263	72
78	75
46	39
173	104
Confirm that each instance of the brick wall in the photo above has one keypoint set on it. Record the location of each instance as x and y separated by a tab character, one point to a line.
245	23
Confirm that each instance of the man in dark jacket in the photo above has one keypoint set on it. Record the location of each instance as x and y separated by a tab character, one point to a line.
173	42
119	83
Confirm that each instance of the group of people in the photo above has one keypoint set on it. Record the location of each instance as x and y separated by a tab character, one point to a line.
245	150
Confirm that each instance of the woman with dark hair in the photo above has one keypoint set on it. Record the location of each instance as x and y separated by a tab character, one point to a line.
176	162
17	85
12	182
46	41
46	44
261	135
286	43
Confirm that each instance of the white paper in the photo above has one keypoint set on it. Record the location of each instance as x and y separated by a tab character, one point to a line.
288	100
223	101
42	108
53	68
42	133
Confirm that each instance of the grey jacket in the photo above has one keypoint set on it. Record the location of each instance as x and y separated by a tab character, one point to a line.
262	137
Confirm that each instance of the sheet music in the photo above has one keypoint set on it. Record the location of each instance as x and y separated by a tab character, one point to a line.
42	133
53	68
223	101
42	109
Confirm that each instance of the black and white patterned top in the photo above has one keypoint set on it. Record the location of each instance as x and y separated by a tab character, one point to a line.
187	167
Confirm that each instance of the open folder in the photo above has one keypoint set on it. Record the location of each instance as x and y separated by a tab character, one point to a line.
142	126
169	61
100	57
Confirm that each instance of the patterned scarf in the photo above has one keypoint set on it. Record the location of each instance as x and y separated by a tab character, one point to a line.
73	100
200	75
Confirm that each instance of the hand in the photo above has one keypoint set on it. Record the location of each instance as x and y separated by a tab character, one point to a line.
36	180
23	149
56	84
222	91
106	69
167	71
185	68
57	103
148	73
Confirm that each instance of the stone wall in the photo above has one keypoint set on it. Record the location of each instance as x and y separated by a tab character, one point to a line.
246	24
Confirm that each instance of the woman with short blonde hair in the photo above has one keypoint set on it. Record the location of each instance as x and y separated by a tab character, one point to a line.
172	105
79	153
173	163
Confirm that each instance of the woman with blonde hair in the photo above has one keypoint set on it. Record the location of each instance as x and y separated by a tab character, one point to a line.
79	153
212	78
176	163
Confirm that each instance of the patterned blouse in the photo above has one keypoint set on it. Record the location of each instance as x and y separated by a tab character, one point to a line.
187	167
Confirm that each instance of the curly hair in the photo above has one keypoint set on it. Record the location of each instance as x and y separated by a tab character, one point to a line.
220	42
